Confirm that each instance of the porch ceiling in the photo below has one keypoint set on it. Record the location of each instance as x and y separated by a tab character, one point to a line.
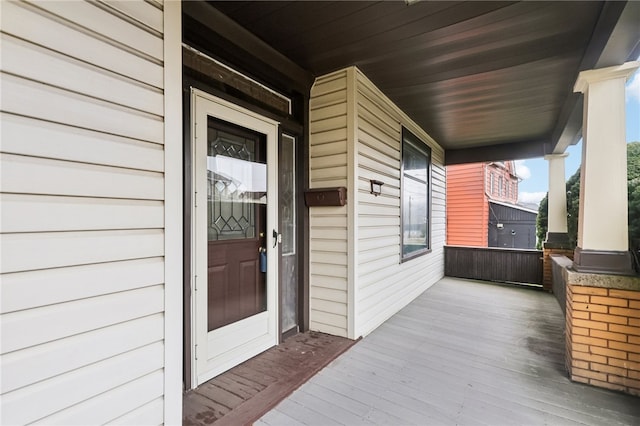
488	80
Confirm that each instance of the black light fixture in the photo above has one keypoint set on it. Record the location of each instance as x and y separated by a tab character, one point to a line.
376	187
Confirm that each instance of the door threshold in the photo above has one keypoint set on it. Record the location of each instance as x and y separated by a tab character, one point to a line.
246	392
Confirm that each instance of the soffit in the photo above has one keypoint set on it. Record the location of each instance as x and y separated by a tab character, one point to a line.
474	75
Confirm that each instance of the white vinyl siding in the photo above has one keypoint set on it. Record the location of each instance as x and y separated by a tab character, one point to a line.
82	188
357	279
384	285
328	225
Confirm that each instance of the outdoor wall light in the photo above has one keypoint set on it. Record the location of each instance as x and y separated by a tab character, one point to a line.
376	187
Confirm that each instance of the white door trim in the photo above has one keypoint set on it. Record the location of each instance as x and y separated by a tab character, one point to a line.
204	343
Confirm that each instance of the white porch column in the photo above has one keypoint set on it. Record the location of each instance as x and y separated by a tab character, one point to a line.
557	207
603	223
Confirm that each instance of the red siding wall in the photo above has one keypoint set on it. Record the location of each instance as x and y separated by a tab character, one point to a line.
467	205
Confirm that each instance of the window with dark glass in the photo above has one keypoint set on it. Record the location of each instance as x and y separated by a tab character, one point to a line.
416	196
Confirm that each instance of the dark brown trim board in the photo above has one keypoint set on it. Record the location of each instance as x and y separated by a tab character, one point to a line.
497	152
603	262
186	232
557	240
236	45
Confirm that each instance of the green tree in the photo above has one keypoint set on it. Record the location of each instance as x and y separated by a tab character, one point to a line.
633	161
573	203
633	174
634	214
573	207
542	221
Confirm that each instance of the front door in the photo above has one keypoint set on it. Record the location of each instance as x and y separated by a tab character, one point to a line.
235	235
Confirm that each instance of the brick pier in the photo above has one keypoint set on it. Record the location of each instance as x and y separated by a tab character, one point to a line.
547	270
603	331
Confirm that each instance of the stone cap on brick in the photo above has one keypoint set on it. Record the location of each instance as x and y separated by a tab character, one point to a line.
621	282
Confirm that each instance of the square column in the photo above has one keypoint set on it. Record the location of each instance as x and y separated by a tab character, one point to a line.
603	222
557	239
557	202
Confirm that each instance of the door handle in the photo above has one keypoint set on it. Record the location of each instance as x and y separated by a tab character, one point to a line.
276	238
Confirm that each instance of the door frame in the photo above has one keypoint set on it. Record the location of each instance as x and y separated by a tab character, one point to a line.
294	123
210	105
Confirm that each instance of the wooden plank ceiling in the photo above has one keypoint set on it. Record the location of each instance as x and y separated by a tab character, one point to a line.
475	75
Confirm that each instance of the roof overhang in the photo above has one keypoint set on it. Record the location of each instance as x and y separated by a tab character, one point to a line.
514	206
488	81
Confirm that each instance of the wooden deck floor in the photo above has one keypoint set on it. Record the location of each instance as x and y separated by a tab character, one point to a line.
463	352
246	392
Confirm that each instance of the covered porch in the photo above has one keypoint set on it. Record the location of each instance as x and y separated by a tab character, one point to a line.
479	82
464	352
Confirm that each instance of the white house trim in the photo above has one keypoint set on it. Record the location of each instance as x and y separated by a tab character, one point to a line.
352	204
173	212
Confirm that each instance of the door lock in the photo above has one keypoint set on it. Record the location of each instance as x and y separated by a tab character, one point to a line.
263	259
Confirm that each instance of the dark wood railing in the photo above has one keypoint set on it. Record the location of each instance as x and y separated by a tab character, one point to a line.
493	264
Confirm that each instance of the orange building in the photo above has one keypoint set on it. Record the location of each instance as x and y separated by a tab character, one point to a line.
472	189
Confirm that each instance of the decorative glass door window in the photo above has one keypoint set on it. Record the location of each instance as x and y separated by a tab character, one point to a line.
237	182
